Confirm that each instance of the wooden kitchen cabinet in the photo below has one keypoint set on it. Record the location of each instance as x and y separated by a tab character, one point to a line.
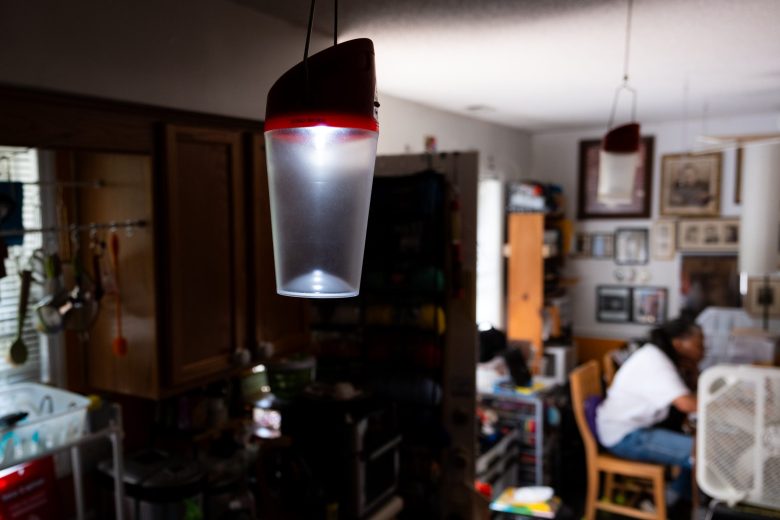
198	280
205	288
184	277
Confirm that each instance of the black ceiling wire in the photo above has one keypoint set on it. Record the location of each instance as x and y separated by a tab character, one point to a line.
628	40
306	48
335	22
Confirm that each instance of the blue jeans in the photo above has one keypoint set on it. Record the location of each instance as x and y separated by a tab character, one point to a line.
661	447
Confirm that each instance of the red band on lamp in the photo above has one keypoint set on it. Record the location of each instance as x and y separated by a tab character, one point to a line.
321	119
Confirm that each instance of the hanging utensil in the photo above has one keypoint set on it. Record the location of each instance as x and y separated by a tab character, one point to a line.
98	248
18	352
52	308
119	345
83	309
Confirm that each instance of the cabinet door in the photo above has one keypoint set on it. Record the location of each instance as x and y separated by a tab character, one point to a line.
525	292
279	320
203	201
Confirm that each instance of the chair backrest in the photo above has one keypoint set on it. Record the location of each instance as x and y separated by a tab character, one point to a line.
585	382
609	367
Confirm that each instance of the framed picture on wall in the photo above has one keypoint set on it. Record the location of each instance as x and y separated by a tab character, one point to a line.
631	247
588	205
663	239
690	184
649	305
752	303
738	179
709	235
602	245
613	303
581	245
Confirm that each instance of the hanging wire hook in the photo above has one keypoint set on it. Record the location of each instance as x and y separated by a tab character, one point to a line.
624	86
621	88
129	228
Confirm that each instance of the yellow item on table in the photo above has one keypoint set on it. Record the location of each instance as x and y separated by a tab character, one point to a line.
529	390
507	503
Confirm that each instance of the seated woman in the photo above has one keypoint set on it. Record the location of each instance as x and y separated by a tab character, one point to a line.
645	387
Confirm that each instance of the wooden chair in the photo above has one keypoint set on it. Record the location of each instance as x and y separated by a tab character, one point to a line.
608	363
586	382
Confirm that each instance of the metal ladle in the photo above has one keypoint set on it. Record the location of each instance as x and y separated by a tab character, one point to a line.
18	352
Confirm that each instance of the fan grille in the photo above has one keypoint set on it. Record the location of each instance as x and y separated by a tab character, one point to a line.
770	440
730	435
741	433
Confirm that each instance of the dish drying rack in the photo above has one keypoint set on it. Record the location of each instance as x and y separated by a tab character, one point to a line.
55	422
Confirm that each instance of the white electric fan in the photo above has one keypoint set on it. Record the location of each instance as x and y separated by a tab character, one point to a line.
738	435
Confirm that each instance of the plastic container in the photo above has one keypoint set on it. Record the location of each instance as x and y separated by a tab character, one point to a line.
319	179
55	417
287	377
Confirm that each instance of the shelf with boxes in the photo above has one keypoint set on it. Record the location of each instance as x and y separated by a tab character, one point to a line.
524	415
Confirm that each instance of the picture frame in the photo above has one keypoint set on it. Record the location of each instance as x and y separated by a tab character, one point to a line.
631	246
709	280
752	306
613	304
690	184
580	245
588	206
664	239
708	235
602	245
649	305
738	177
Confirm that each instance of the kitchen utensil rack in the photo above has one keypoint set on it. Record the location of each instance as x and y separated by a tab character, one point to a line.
127	225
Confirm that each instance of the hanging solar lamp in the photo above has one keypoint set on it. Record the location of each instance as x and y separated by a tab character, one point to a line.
619	156
321	136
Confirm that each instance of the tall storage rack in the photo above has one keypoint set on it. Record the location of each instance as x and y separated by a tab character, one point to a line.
526	415
411	334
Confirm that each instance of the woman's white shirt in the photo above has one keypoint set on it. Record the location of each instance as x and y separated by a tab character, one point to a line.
640	395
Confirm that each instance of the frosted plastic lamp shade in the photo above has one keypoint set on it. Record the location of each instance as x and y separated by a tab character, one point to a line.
319	180
617	174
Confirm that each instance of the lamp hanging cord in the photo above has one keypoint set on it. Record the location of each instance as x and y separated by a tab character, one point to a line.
628	41
624	86
306	48
335	22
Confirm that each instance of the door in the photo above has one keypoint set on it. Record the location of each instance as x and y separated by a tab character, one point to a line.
203	204
460	354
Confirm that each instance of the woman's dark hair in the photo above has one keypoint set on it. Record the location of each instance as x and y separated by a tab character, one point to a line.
663	335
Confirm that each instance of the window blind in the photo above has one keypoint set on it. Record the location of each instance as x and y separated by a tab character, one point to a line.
21	166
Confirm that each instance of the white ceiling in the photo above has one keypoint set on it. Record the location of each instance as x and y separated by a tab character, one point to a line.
550	64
